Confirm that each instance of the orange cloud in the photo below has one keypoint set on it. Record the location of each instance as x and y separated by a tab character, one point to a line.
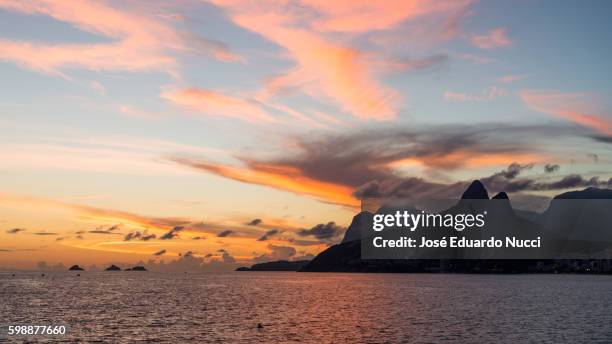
218	104
574	107
280	177
465	158
496	38
138	42
160	225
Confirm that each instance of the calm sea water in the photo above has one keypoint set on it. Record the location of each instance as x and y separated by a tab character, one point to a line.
310	307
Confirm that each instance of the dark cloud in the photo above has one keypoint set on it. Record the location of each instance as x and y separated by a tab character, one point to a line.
198	238
505	180
300	242
362	160
160	253
410	187
548	168
357	158
254	222
268	234
59	239
323	231
574	181
172	233
110	230
190	262
208	255
225	233
79	237
508	180
137	235
276	253
594	156
44	233
15	230
411	64
605	139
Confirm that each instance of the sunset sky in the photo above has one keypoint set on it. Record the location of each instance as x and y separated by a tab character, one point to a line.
233	132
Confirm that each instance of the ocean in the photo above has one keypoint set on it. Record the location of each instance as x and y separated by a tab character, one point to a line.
308	307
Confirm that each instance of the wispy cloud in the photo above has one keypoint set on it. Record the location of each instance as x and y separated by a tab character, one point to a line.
278	177
268	234
15	230
510	78
225	233
137	42
486	95
326	68
215	103
579	108
496	38
132	155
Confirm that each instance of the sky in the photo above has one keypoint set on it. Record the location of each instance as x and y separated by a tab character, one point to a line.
215	134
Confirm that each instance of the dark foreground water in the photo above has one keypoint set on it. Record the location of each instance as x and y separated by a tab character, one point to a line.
309	307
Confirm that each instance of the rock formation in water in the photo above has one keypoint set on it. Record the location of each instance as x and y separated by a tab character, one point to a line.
137	268
113	268
75	268
279	265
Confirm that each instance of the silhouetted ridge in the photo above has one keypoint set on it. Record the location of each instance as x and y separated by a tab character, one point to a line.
501	195
475	191
279	265
76	268
361	220
113	268
588	193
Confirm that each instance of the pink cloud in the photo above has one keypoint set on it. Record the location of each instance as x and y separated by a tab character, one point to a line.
327	67
510	78
138	42
215	103
364	15
496	38
574	107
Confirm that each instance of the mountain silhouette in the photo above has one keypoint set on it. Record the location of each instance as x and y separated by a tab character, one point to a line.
75	268
113	268
476	190
360	221
346	256
501	195
580	215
